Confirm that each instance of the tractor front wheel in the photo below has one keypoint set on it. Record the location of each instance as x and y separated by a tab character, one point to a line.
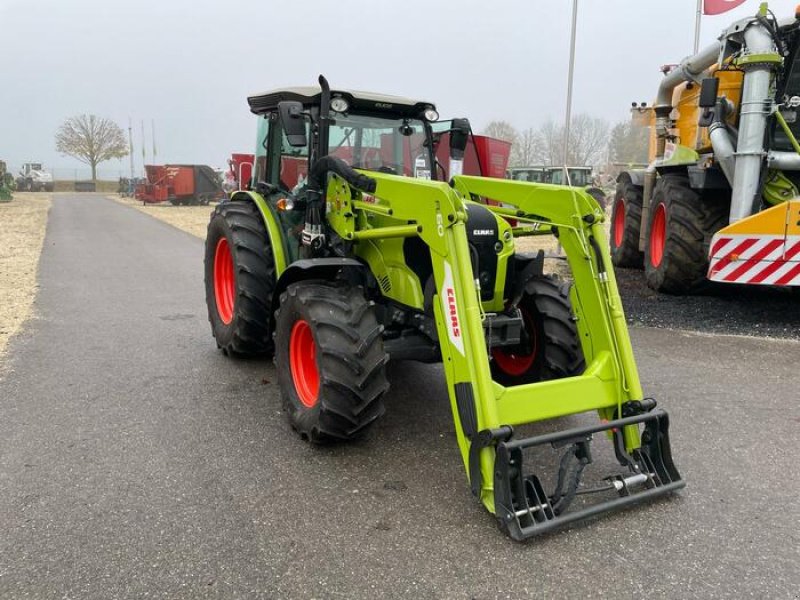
681	225
330	360
626	219
240	279
550	348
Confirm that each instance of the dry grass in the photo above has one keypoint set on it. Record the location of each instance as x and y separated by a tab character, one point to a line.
191	219
23	221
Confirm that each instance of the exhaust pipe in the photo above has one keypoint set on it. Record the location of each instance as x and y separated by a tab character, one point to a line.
689	70
754	108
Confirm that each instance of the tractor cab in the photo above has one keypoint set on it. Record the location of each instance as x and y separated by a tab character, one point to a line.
375	132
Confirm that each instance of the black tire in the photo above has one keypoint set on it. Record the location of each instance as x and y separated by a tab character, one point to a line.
348	360
626	223
240	319
598	195
552	349
680	227
49	187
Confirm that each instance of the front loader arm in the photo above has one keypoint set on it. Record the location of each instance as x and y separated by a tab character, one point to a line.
484	411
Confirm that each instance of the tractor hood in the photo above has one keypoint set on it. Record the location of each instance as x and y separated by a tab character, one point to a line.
364	101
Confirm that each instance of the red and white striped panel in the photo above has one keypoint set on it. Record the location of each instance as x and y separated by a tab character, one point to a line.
755	259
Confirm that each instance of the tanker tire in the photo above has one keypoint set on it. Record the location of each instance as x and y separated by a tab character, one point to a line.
349	355
547	310
625	251
248	332
691	221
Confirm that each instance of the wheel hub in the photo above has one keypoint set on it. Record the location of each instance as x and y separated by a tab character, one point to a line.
303	363
658	235
224	281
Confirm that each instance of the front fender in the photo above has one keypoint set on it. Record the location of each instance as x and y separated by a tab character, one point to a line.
272	223
312	268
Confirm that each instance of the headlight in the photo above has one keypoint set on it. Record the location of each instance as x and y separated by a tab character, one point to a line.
431	114
339	104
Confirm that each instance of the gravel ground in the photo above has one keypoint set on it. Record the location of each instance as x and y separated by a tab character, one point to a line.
191	219
725	309
23	222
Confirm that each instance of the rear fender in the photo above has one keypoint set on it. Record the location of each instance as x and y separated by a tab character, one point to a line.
272	223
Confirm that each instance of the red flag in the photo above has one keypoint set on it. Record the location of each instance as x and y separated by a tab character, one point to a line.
717	7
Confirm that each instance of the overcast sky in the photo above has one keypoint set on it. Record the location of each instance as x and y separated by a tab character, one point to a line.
189	64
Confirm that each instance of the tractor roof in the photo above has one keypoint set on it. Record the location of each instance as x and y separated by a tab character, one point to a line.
310	95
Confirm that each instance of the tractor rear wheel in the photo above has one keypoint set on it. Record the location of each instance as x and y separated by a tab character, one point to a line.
239	279
679	232
330	360
550	348
626	219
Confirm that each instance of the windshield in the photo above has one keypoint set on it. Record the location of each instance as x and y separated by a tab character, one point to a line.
577	177
394	146
36	166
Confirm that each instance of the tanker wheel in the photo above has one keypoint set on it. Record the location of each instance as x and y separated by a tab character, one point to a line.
550	348
679	232
239	279
330	360
626	220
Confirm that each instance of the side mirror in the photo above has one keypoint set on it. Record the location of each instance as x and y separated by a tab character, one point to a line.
293	122
459	134
708	92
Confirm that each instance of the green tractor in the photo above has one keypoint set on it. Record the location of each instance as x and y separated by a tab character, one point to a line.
355	246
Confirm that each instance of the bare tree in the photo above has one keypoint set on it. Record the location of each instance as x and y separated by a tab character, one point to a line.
91	140
527	150
502	130
628	143
587	144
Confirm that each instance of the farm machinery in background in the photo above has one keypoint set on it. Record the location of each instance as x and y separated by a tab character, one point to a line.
180	185
719	199
359	241
34	178
6	183
580	177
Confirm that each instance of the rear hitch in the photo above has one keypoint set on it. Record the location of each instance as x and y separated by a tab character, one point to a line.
524	509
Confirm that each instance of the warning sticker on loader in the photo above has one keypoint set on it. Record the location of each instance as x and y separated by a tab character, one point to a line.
450	310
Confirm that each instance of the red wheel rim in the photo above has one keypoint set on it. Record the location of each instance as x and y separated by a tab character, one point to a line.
658	235
514	363
619	222
303	363
224	281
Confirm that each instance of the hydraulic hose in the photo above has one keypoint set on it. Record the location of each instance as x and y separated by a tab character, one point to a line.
331	164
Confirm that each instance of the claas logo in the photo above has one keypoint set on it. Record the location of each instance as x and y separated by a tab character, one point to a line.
451	306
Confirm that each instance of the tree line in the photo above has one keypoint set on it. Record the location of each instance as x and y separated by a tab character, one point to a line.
593	142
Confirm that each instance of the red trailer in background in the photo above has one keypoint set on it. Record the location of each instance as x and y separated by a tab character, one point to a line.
241	168
180	185
483	156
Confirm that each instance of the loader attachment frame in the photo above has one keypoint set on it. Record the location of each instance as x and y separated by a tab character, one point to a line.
485	412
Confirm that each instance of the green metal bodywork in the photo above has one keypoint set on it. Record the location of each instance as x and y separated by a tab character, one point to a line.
437	213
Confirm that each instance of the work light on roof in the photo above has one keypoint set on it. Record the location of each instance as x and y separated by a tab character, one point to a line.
339	104
431	114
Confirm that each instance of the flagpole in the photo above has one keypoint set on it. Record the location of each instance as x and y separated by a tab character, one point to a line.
697	26
568	116
144	157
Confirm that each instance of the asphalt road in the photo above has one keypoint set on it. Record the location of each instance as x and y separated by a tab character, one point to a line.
138	462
